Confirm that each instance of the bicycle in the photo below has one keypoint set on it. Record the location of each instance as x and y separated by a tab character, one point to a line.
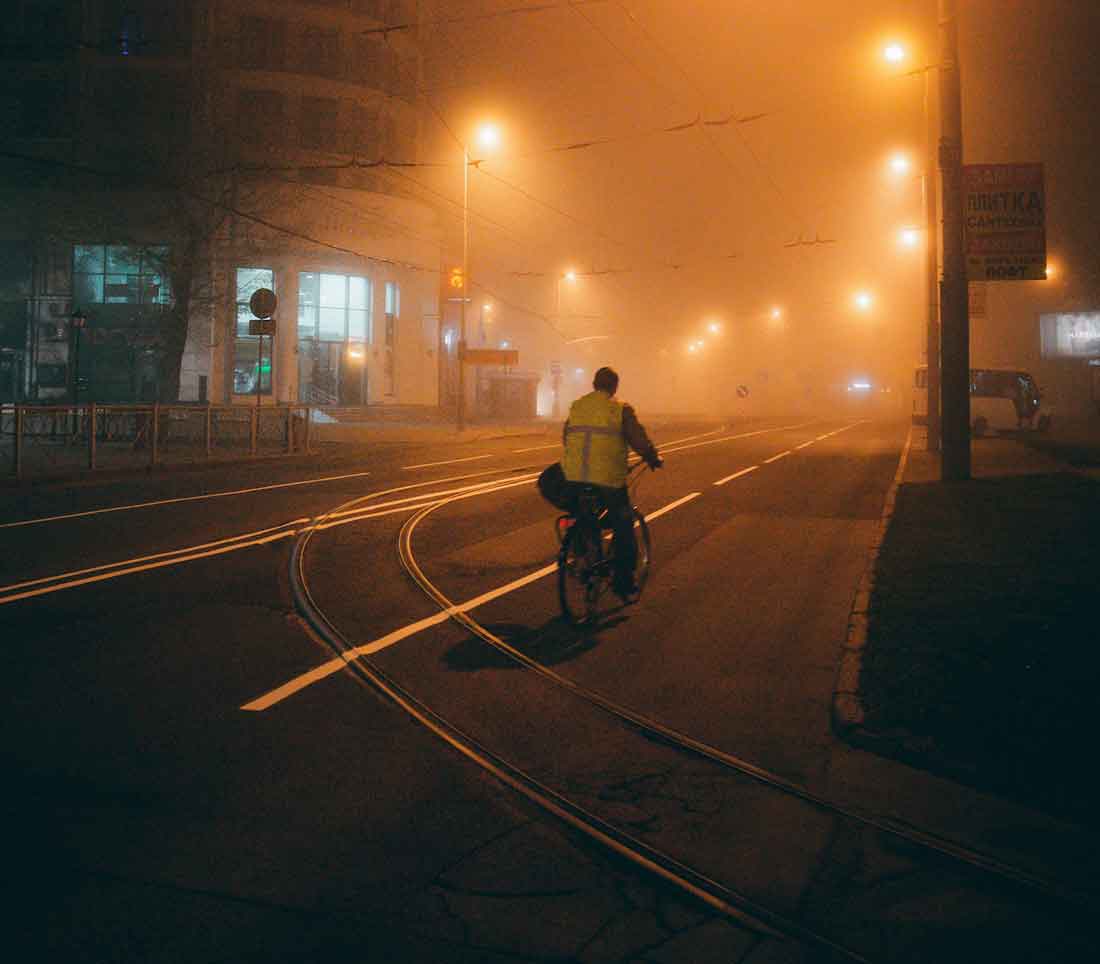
586	567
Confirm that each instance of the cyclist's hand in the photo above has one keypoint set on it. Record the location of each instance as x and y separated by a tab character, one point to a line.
656	463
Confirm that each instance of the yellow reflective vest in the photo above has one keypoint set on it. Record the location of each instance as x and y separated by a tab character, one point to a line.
595	449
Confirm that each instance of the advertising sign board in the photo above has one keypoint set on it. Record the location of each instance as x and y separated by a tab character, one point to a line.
1005	222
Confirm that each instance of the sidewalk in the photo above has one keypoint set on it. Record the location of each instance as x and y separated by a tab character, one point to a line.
975	638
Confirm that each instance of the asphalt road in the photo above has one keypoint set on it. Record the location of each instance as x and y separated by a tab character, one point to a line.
190	787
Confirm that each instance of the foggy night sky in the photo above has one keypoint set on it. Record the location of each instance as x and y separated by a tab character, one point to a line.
813	166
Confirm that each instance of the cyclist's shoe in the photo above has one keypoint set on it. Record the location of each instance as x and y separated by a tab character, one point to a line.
627	591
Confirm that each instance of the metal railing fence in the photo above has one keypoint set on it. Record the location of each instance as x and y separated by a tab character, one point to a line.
47	439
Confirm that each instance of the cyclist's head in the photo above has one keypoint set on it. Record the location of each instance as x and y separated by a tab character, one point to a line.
606	380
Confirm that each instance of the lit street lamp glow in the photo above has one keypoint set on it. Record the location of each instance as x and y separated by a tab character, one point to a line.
900	164
863	301
894	53
909	237
714	328
488	136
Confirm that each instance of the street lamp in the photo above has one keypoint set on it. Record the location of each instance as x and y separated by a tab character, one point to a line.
571	277
863	300
78	321
909	237
900	164
488	137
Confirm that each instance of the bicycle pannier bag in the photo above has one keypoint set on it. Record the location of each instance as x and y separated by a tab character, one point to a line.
553	487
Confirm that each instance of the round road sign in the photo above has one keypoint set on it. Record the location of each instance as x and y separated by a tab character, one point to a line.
263	302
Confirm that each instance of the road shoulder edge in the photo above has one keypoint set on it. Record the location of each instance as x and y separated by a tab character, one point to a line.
847	712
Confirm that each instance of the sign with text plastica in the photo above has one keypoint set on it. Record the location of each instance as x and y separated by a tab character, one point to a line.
1005	222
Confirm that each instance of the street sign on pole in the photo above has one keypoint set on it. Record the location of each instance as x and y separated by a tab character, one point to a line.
263	303
261	326
1005	222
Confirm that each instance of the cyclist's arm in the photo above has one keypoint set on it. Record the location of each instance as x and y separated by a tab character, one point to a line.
636	437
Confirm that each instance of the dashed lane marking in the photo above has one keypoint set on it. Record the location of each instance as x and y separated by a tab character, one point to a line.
429	465
318	673
185	498
736	475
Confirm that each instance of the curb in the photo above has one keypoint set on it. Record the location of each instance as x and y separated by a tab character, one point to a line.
847	711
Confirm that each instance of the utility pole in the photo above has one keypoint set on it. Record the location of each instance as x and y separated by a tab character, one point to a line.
931	267
460	414
954	311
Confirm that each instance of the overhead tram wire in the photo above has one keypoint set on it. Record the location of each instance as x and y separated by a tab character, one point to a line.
598	233
699	93
221	205
486	15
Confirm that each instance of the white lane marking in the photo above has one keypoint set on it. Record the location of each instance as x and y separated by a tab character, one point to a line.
140	559
421	502
650	516
158	560
839	430
430	495
115	574
125	567
334	665
469	458
184	498
730	438
736	475
776	458
554	445
326	669
804	444
688	438
536	448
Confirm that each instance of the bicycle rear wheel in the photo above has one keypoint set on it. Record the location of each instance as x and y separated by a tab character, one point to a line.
579	563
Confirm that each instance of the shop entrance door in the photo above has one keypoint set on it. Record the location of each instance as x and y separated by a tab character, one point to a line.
328	374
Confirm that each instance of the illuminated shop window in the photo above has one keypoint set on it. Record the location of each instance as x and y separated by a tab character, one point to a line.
334	307
115	274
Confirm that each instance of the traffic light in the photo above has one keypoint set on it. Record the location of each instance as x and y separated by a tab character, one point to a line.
458	282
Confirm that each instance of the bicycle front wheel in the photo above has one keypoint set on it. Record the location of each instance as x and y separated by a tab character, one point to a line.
578	574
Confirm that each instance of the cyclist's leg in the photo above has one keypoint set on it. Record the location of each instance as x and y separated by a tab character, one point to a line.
623	545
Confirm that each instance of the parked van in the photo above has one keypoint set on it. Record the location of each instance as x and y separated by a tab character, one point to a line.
1001	400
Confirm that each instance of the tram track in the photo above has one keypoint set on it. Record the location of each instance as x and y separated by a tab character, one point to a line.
907	833
690	879
686	879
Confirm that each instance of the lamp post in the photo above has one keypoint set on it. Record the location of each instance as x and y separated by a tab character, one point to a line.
955	334
488	136
78	321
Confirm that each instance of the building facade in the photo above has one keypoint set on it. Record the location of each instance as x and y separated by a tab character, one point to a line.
166	158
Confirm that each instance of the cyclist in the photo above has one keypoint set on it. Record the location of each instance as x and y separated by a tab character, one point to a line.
596	436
